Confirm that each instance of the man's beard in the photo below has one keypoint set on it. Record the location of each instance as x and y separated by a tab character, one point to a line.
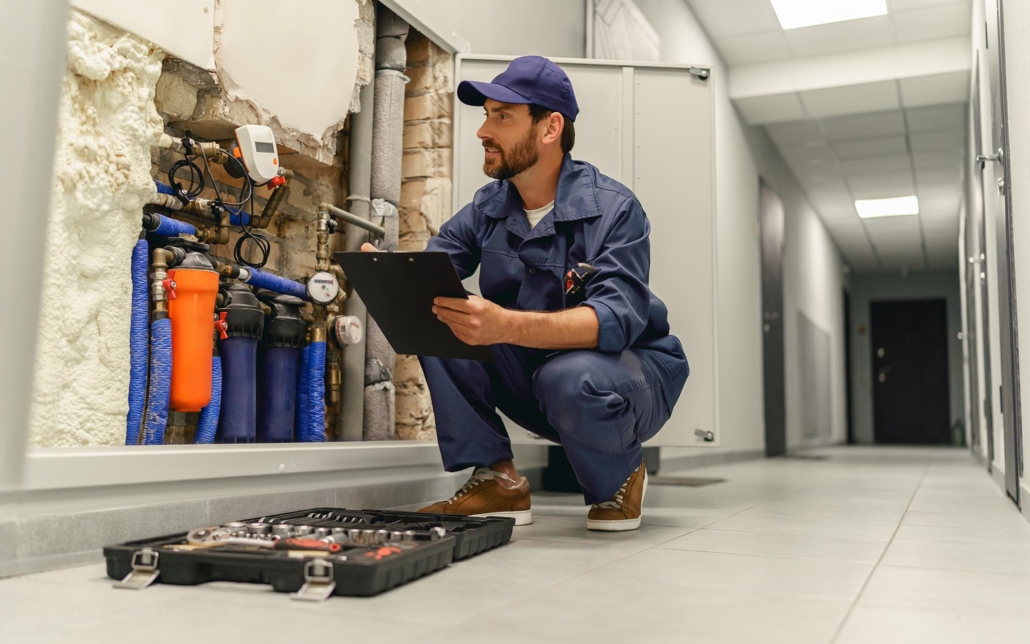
521	157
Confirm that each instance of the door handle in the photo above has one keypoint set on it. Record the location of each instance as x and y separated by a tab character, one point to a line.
705	435
984	158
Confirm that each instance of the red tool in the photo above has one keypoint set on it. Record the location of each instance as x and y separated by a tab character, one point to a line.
577	278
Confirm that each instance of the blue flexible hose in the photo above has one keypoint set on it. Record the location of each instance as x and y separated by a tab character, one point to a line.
138	343
303	421
163	188
169	227
160	381
208	423
237	216
316	392
261	279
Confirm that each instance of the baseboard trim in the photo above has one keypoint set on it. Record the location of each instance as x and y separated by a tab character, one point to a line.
999	478
1024	501
714	457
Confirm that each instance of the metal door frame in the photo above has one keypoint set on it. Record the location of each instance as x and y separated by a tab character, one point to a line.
1007	312
770	318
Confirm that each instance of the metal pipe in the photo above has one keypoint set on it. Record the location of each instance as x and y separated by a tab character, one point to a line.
351	218
352	360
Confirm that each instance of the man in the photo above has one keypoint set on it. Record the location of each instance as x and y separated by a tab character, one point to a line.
583	358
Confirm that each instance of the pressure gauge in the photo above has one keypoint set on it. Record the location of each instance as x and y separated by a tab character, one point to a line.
323	287
259	154
347	330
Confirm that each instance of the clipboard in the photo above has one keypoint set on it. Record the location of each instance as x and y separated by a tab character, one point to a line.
398	290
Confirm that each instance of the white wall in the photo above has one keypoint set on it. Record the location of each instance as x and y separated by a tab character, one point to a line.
552	28
812	264
1017	52
921	285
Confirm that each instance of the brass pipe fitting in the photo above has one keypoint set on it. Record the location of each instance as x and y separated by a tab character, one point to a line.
274	201
160	258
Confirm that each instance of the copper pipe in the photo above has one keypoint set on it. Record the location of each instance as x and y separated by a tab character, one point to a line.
274	201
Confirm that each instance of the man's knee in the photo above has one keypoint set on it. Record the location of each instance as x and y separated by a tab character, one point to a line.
570	377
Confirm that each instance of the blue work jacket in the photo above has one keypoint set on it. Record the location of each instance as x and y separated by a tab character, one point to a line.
596	220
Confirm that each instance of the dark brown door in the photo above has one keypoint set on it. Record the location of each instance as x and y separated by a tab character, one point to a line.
771	214
910	372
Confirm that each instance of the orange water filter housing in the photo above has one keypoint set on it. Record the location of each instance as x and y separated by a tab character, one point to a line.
191	307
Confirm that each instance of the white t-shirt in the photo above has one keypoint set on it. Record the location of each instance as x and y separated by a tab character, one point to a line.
534	216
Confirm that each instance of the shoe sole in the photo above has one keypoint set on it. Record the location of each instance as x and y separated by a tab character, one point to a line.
522	517
620	525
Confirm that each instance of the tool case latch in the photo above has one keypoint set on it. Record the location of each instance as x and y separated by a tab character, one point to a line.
144	571
318	582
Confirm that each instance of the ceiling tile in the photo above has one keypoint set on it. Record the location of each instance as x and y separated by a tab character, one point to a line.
866	33
932	159
937	89
851	99
735	17
877	166
940	140
857	126
795	134
899	184
944	117
871	147
760	110
931	23
947	178
754	48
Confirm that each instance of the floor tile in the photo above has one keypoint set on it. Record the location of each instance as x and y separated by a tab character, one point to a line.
781	545
831	580
958	556
599	609
992	521
825	527
947	590
889	625
979	536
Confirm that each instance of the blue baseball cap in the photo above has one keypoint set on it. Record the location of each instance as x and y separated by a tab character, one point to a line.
528	80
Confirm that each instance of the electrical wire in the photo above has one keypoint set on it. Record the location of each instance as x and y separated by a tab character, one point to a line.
247	236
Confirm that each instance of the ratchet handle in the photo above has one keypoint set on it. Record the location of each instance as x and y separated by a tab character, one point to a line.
307	544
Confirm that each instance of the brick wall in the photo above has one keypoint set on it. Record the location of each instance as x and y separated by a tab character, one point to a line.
425	200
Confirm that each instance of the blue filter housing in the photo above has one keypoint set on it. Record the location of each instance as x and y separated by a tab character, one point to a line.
244	321
283	338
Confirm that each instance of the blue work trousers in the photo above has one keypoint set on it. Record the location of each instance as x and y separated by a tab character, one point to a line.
599	406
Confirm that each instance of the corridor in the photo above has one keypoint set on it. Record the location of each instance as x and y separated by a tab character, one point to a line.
849	544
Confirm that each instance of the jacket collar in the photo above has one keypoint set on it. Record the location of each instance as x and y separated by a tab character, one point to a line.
576	197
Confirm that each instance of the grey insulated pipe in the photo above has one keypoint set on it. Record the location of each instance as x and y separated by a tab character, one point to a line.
387	148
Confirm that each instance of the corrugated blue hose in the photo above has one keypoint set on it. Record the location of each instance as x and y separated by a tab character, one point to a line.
264	280
160	381
316	392
169	227
208	423
138	344
163	188
303	423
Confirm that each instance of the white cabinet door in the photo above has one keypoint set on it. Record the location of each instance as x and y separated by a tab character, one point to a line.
651	127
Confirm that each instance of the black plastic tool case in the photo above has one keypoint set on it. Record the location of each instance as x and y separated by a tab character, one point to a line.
357	569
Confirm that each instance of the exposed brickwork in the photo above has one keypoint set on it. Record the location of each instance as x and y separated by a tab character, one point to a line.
425	200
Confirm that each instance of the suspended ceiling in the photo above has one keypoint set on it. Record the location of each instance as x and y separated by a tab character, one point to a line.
862	109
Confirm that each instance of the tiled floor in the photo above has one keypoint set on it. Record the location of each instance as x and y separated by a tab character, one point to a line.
870	545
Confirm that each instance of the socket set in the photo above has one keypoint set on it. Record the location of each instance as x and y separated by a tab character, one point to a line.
312	553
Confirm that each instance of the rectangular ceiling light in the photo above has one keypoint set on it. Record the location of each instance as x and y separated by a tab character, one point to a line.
794	14
896	207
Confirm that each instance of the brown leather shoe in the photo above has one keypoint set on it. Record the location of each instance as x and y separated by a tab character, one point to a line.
484	496
622	512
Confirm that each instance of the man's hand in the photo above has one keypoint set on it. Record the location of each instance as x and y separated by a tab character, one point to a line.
474	321
369	248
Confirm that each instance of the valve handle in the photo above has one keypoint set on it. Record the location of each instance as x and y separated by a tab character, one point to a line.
169	286
222	326
275	182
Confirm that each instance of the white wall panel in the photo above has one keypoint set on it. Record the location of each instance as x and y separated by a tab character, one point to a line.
184	28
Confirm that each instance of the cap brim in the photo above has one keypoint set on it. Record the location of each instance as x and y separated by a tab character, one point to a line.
476	92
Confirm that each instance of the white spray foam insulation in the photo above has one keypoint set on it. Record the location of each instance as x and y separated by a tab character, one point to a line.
107	125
